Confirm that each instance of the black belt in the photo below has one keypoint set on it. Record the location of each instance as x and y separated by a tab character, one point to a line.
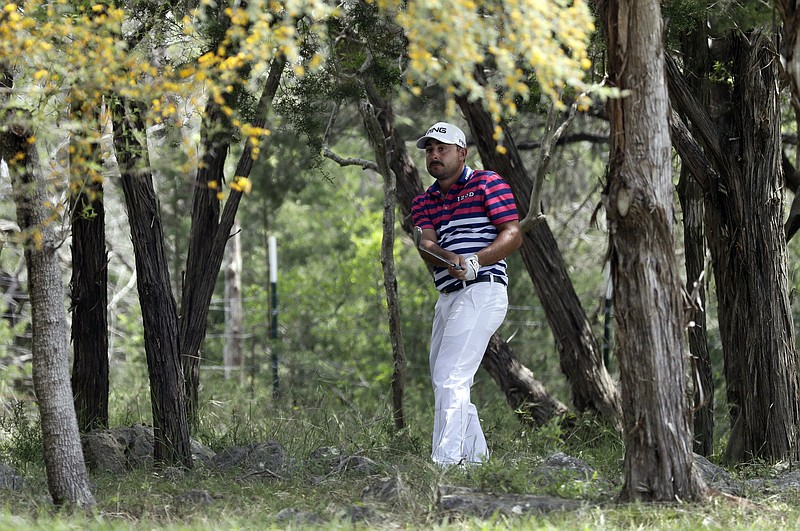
461	284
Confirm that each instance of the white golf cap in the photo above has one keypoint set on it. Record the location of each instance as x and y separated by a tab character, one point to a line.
445	133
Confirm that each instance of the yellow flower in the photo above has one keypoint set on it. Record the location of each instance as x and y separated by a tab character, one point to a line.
242	184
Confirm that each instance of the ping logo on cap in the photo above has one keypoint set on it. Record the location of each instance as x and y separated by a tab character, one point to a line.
444	132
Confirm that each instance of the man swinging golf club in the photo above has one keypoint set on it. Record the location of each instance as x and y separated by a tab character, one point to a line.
466	224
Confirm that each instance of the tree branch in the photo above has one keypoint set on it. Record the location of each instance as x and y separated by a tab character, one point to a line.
682	98
341	161
549	139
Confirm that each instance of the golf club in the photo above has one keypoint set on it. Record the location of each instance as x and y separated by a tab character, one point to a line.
418	240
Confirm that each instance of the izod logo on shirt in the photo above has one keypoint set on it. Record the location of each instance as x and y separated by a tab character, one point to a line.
462	197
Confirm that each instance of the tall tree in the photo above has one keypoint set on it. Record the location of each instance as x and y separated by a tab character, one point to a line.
647	287
67	478
211	230
378	141
89	284
159	310
690	193
739	167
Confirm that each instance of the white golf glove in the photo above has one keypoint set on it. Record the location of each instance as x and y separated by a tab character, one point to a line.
472	267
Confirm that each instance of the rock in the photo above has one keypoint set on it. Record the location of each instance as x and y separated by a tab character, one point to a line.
194	497
465	501
717	477
559	467
299	517
253	458
356	463
120	449
361	513
787	483
9	479
387	490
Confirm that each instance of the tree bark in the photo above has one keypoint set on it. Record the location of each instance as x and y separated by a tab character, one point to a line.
89	284
378	142
647	286
210	235
750	265
67	478
159	311
690	194
579	353
232	355
524	393
744	212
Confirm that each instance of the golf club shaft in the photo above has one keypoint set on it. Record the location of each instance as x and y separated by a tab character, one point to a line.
417	234
445	260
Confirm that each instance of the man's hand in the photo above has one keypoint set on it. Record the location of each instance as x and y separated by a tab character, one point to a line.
471	267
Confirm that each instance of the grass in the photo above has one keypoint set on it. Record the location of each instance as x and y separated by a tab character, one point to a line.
356	421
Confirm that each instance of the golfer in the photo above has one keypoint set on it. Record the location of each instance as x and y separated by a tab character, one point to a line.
470	218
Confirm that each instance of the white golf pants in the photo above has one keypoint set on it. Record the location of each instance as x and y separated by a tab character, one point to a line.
463	323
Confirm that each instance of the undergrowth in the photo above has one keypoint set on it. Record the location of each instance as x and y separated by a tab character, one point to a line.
305	420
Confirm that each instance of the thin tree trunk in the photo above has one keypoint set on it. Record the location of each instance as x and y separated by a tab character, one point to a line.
232	354
67	478
89	284
690	194
387	262
159	311
210	236
647	286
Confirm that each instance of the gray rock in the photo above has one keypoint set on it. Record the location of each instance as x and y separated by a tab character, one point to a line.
717	477
120	449
356	463
361	514
387	490
560	466
9	479
469	502
194	497
786	483
253	458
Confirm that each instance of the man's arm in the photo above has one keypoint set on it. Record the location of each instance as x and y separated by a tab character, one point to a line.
508	240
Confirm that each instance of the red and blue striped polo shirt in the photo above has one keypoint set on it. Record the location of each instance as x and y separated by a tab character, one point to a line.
465	219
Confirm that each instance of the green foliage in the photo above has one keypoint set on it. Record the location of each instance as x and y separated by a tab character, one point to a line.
20	436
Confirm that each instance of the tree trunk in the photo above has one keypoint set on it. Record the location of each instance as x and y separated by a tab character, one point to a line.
232	355
690	194
159	311
205	223
378	142
789	11
750	265
523	392
89	284
579	353
647	286
67	478
210	236
741	174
